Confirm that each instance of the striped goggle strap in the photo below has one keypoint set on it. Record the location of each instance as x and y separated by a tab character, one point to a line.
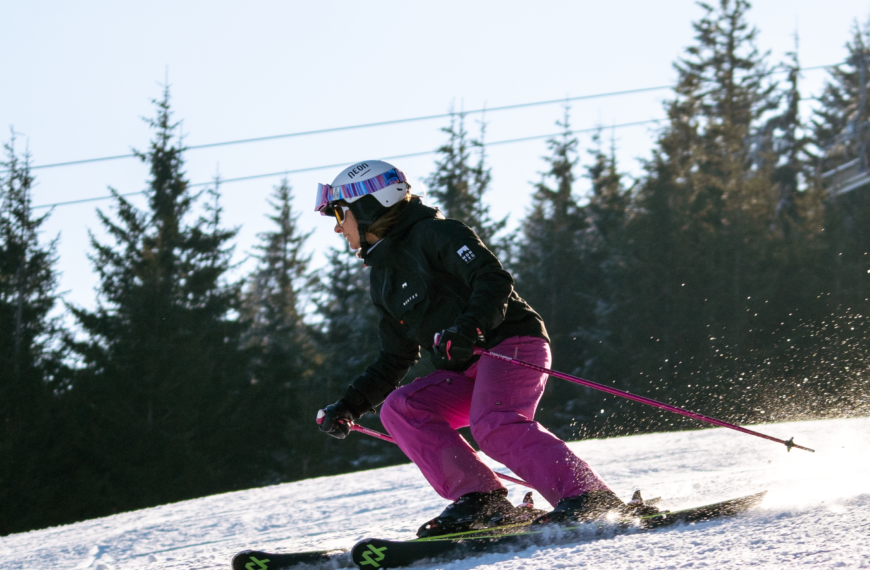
327	193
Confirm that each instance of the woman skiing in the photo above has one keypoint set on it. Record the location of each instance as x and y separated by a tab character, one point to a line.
433	275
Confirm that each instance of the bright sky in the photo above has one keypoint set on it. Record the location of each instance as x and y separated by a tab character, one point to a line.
78	76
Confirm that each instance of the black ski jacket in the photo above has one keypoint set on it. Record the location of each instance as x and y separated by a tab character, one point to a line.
427	274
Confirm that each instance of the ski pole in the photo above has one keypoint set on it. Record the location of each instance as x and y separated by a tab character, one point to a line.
385	437
788	444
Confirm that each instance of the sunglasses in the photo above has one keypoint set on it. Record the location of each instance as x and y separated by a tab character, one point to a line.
340	214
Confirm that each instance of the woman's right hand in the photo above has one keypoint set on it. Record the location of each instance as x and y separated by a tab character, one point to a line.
335	419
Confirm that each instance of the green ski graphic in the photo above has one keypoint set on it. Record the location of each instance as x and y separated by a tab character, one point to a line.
261	564
367	556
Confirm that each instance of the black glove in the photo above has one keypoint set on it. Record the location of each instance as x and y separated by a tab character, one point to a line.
335	419
454	348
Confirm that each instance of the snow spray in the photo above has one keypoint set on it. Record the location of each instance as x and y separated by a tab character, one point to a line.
594	385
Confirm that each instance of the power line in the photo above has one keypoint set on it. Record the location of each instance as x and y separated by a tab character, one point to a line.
390	122
367	125
327	166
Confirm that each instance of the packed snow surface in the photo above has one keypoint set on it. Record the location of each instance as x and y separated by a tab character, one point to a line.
816	514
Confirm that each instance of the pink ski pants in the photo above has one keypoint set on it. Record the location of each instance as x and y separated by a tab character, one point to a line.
498	400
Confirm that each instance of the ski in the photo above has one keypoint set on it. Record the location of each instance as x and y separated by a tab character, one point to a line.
257	560
339	558
378	553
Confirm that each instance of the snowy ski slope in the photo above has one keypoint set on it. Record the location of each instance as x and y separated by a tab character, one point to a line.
816	515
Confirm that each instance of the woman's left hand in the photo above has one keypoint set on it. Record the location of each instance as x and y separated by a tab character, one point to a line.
453	349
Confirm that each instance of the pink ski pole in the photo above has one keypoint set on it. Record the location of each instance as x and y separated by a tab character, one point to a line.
385	437
788	444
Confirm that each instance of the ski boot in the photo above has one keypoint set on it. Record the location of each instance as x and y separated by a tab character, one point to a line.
476	511
596	505
637	507
587	507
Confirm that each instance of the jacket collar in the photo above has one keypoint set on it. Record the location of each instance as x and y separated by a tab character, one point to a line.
415	212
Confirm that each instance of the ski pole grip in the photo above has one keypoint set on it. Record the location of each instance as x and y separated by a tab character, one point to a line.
437	340
320	415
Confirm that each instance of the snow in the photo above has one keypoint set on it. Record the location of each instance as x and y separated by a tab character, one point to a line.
816	514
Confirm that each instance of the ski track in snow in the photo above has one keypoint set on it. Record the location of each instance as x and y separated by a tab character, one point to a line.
816	514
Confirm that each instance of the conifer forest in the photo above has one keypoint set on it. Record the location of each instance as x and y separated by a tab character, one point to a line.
731	277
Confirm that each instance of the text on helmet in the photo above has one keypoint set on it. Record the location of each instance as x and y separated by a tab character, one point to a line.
357	169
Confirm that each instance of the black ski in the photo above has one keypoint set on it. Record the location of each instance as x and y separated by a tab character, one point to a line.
377	553
340	558
257	560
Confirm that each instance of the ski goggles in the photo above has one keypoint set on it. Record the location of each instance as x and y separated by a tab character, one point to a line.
340	213
327	194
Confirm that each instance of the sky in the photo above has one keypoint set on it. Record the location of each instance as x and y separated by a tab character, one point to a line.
77	79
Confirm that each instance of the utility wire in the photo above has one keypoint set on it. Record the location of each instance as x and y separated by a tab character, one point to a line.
327	166
390	122
367	125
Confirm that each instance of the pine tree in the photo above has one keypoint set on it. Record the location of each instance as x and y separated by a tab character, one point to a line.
448	184
783	140
460	186
28	285
31	362
839	127
348	341
782	148
162	374
284	357
734	90
481	221
842	134
699	244
608	204
549	267
548	271
603	249
350	321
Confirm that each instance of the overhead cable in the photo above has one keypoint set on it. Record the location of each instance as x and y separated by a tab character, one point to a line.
340	164
387	123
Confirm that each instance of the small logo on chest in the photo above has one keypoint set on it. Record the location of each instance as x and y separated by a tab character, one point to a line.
465	254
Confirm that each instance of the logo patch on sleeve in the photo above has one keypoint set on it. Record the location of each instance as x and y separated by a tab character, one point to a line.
465	254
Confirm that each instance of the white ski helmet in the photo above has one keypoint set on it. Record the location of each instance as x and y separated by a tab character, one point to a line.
368	188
